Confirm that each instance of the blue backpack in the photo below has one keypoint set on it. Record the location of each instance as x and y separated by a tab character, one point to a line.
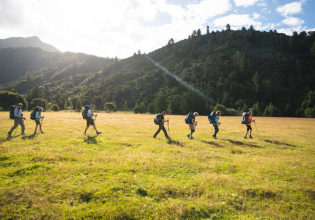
188	118
211	117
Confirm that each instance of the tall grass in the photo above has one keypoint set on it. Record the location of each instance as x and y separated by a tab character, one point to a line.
124	173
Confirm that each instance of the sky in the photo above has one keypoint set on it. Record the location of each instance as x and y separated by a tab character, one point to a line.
120	28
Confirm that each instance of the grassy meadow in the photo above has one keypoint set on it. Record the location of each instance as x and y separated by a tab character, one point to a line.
125	173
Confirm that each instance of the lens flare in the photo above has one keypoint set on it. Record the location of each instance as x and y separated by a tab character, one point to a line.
187	85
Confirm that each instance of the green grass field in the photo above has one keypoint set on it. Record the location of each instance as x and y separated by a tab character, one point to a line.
124	173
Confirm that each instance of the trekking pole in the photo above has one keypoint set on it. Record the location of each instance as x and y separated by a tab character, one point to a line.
256	128
168	125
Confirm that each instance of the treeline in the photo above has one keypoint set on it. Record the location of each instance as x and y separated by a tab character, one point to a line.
270	73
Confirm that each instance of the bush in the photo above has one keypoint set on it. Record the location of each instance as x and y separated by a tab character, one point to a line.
220	108
271	111
310	112
231	112
39	102
8	98
55	107
140	109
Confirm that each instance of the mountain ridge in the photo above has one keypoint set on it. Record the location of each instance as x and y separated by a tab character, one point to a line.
33	41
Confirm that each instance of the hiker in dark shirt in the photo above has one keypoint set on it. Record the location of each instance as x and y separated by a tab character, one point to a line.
18	120
192	125
161	126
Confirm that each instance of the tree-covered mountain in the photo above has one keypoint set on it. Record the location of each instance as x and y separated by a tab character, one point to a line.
241	69
26	42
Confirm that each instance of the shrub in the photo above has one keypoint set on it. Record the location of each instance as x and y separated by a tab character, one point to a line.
310	112
231	112
220	108
55	107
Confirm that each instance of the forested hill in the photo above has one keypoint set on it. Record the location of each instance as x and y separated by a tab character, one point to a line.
238	69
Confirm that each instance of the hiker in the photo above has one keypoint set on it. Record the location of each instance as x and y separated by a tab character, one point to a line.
38	116
18	119
248	125
216	124
192	124
90	120
161	126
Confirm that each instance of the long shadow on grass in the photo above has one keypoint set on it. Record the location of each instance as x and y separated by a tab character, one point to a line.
8	138
90	140
280	143
212	143
29	137
241	143
175	142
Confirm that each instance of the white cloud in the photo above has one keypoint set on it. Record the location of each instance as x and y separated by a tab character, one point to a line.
237	21
256	15
290	8
245	3
291	21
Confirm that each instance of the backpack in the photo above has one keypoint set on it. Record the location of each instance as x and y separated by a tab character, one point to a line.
188	118
244	119
33	114
157	119
85	112
211	117
11	110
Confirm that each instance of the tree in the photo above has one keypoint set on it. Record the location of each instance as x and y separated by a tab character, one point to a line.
125	106
78	105
271	111
220	108
110	106
245	108
65	106
39	102
313	49
151	108
228	27
140	109
226	99
256	110
8	98
160	102
208	32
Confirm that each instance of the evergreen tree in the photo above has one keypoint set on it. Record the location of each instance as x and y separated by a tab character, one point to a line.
160	102
79	105
125	106
255	110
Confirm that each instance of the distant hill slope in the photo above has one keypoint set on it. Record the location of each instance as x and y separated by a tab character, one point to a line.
26	42
235	68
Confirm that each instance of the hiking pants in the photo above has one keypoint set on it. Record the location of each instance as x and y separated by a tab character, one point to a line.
161	127
18	121
216	130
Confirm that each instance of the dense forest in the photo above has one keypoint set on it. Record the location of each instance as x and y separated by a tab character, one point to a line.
271	73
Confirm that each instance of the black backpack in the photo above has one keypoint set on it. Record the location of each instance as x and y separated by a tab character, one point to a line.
11	110
157	119
33	113
85	112
244	119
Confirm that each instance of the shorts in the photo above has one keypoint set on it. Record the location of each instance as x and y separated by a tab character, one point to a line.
192	127
89	121
37	121
249	127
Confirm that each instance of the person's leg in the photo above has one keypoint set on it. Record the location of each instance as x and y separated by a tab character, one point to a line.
213	135
87	125
16	123
246	131
250	132
158	131
164	130
216	130
22	126
36	126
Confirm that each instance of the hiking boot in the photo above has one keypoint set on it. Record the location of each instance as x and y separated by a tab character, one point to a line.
9	133
34	132
192	137
22	133
42	132
98	132
188	135
250	137
154	136
245	137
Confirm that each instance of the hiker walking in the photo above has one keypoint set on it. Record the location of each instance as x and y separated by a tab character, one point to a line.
249	126
90	120
192	124
216	124
161	125
18	119
38	116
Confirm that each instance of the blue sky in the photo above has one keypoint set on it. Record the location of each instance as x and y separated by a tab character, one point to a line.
118	28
